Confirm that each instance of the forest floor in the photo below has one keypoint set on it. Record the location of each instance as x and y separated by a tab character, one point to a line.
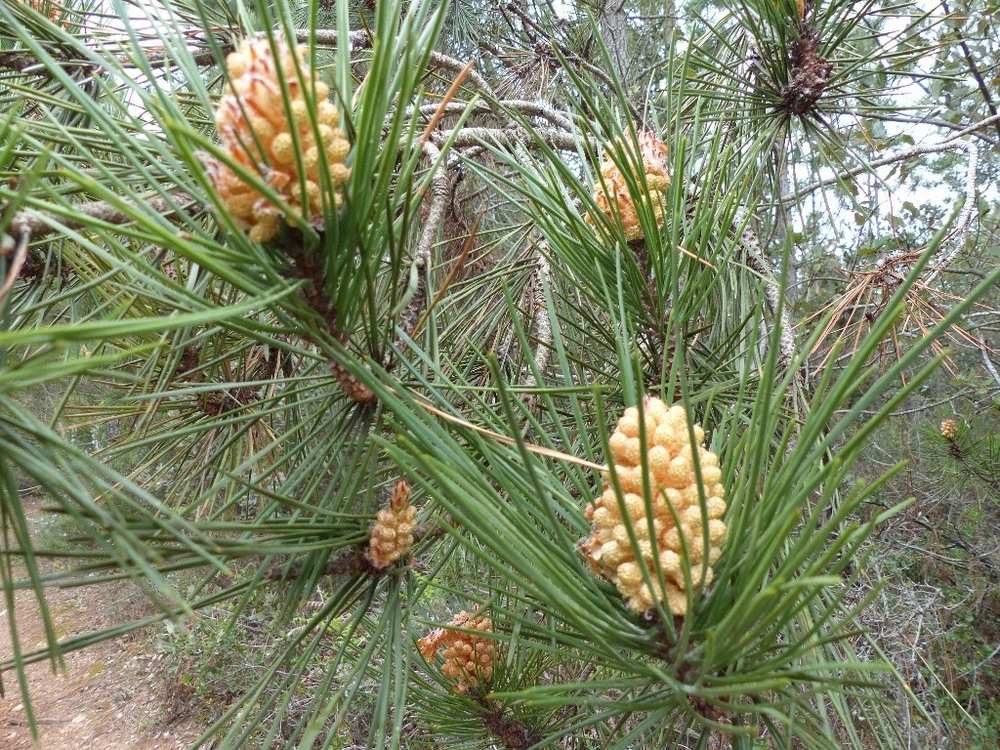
108	696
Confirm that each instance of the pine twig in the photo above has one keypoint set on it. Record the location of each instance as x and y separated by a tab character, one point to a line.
970	60
18	258
440	192
948	144
755	259
964	222
353	560
440	60
503	138
542	329
509	732
526	107
984	352
40	224
542	324
314	273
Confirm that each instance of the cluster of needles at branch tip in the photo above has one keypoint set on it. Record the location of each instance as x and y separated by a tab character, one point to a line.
611	193
809	74
679	523
467	658
391	536
283	136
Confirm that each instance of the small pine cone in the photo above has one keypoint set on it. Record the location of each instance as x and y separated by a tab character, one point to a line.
467	658
214	403
353	387
391	535
276	140
612	196
949	429
677	522
190	360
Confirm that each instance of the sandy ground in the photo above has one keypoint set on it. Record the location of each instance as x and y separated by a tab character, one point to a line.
114	695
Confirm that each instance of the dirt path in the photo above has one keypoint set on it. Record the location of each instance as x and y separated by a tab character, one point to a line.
112	696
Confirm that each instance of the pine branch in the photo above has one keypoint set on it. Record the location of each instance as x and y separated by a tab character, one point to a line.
949	144
538	35
40	224
961	229
20	255
527	107
310	269
755	259
509	732
440	60
931	121
974	70
542	325
353	561
23	61
508	139
984	352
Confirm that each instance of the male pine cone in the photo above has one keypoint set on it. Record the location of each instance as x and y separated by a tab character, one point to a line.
391	535
278	138
466	658
611	191
678	522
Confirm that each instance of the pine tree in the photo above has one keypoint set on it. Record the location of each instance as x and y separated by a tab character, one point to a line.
459	315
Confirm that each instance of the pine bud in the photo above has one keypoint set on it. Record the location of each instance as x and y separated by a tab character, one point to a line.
353	387
677	514
612	196
276	140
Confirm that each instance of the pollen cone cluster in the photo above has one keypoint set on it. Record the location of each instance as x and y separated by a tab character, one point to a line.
612	196
674	488
467	658
949	429
45	7
392	533
275	139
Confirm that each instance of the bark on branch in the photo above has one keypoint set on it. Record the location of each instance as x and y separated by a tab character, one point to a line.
757	262
353	561
39	224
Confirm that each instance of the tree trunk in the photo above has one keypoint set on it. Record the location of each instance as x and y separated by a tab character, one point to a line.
614	32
